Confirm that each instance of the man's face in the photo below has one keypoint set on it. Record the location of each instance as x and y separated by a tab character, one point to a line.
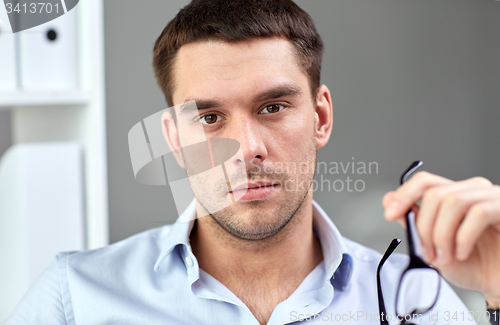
253	92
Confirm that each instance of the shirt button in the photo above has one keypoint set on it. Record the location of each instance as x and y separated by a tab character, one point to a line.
189	261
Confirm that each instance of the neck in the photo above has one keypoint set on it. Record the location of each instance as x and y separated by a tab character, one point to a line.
294	251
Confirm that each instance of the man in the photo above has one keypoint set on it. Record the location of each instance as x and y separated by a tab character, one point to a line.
273	256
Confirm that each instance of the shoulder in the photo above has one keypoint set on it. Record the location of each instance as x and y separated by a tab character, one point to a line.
49	301
42	303
143	247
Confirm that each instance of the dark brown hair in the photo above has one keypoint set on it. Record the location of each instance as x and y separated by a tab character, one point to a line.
238	20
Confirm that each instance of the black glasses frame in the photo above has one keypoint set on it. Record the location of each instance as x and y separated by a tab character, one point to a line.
416	261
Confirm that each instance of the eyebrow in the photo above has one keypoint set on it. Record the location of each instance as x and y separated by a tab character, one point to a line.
278	92
284	90
203	103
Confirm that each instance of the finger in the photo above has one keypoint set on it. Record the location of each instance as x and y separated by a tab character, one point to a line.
477	220
429	209
402	221
452	211
411	192
388	197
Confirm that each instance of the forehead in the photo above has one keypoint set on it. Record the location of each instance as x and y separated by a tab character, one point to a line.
218	69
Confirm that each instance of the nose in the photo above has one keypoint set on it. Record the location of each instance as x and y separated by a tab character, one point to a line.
251	137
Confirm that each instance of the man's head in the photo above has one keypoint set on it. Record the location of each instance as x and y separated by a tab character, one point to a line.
257	91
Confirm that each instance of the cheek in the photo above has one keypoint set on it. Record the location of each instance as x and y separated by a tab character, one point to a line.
299	128
190	132
293	140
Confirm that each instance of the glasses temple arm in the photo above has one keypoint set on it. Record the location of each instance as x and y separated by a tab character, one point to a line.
381	305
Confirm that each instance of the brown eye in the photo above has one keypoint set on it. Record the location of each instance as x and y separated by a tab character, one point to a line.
274	108
210	118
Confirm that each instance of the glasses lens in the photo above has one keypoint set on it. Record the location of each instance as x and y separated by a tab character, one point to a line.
418	291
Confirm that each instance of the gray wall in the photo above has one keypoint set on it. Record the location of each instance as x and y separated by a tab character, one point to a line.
409	80
131	28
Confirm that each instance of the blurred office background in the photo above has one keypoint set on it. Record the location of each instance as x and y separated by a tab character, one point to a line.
409	80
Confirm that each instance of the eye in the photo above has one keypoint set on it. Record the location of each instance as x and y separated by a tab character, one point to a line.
210	118
274	108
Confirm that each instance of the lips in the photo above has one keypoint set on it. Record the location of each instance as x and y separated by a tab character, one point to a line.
254	190
245	186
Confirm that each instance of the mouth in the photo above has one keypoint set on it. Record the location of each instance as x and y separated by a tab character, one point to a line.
254	191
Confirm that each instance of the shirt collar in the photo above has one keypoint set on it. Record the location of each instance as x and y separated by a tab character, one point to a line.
338	262
177	234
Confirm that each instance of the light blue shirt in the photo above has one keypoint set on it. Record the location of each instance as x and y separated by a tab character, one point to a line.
154	278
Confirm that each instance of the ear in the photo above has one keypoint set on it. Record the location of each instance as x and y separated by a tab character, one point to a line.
171	135
323	116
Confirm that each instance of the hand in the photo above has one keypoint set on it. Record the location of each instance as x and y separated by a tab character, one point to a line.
459	226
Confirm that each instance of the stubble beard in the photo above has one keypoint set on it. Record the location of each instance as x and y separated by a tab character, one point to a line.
262	219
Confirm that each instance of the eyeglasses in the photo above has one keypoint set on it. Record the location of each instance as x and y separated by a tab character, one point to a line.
420	283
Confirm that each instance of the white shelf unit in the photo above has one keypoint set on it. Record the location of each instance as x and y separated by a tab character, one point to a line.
24	98
77	115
